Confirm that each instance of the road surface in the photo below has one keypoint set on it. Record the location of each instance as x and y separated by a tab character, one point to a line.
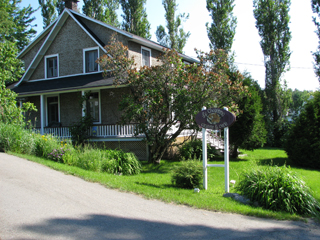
37	202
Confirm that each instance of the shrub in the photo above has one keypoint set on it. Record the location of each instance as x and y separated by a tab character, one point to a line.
188	175
278	189
45	144
110	161
193	150
16	139
303	141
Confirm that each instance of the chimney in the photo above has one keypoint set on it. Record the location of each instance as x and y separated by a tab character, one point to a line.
71	4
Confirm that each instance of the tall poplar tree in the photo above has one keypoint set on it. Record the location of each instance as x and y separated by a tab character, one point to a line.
135	18
176	38
103	10
223	27
272	21
315	4
48	11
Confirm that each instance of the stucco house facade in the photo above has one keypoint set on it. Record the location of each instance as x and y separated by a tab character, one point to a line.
60	68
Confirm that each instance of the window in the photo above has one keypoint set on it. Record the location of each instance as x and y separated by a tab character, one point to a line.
146	54
51	66
93	106
90	57
53	110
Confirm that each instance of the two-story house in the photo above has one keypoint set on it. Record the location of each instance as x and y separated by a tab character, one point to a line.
60	66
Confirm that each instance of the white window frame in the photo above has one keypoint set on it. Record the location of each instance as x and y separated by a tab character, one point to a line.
145	49
84	58
47	110
45	65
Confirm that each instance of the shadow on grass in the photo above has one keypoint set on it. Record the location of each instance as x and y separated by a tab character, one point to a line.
159	186
275	162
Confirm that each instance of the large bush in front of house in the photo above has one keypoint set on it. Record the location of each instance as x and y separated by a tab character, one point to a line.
188	174
278	189
303	141
193	150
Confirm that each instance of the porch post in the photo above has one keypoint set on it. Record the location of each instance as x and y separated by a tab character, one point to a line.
42	114
83	105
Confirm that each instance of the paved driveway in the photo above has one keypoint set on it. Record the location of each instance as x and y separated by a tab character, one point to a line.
37	202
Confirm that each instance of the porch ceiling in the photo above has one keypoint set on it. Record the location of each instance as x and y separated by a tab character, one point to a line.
63	84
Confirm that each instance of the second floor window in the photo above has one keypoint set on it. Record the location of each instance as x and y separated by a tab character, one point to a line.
90	60
52	67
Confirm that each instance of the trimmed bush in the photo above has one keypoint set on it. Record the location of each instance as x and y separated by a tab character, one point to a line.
303	141
278	189
188	175
193	150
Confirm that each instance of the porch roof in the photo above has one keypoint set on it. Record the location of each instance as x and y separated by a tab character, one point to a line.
62	84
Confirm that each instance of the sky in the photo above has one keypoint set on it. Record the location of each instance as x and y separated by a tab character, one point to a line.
246	46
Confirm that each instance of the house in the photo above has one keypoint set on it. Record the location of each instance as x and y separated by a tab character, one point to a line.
60	68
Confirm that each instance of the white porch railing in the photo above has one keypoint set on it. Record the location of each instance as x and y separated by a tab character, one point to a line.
100	131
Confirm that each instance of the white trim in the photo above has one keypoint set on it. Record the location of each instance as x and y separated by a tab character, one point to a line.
42	114
146	49
84	58
45	65
46	107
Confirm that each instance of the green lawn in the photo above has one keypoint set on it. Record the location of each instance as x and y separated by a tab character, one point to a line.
154	182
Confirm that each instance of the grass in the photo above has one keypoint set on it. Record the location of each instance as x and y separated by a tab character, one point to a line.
154	182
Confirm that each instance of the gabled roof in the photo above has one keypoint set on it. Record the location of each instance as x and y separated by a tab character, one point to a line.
53	29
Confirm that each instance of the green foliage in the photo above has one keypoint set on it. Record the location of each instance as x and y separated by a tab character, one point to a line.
110	161
223	27
278	189
135	18
48	11
102	10
16	139
176	38
171	87
248	132
272	21
299	98
193	150
80	130
187	175
16	23
46	144
315	4
303	140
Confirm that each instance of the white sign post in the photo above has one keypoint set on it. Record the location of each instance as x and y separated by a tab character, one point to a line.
226	157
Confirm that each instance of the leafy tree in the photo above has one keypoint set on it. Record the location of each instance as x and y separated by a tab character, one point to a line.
103	10
176	38
315	4
135	18
299	99
60	6
248	132
21	28
48	11
10	66
164	99
272	21
223	27
303	144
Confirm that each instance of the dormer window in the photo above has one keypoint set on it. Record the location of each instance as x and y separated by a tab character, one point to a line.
90	56
52	66
146	57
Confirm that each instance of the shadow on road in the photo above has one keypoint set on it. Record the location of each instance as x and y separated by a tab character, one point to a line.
111	227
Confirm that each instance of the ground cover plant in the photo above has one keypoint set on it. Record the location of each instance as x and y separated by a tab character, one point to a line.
154	182
278	189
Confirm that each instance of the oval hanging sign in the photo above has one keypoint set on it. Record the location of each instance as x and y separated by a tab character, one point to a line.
215	118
